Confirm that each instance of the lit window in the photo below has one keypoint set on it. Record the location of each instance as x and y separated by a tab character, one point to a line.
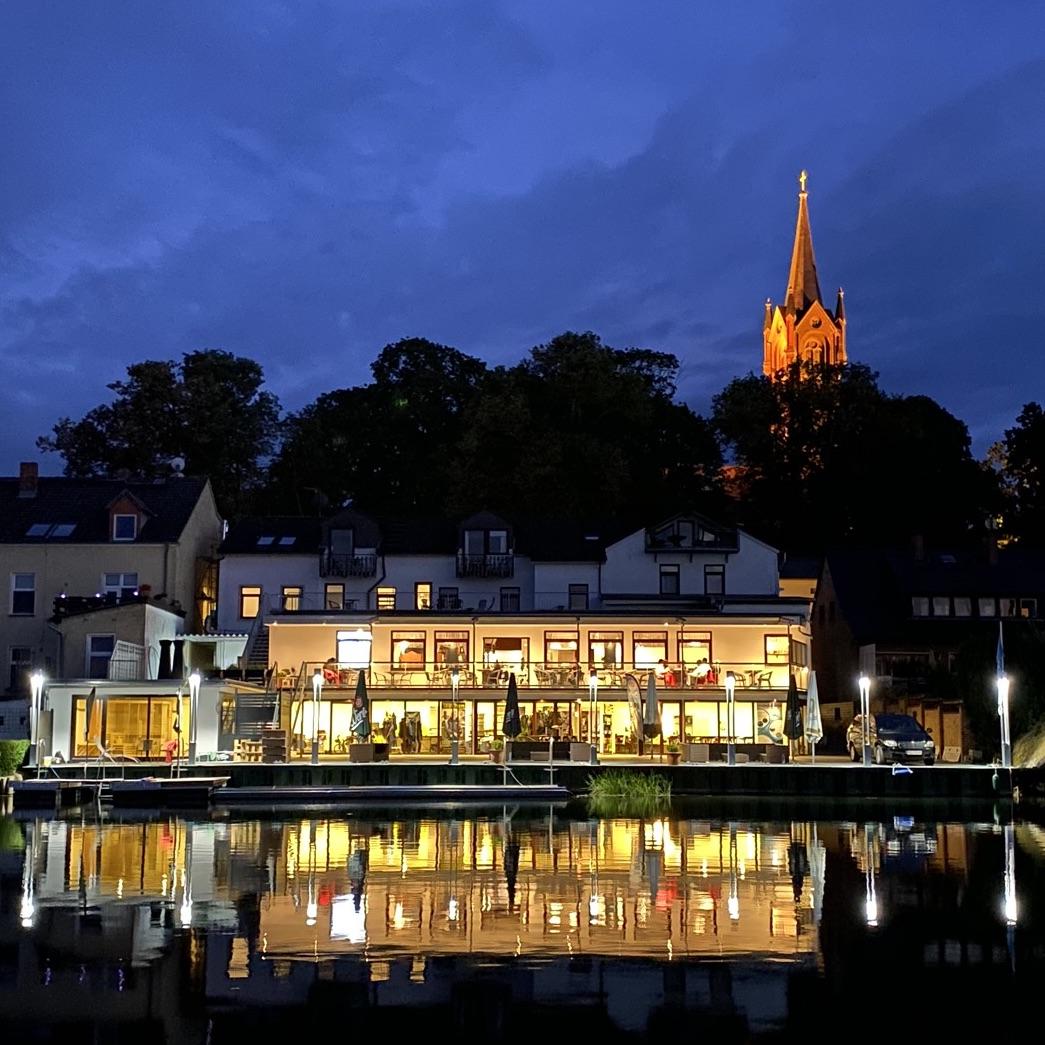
423	595
941	606
124	527
23	594
291	598
988	607
920	605
1028	607
962	606
1006	607
386	598
249	601
334	596
776	647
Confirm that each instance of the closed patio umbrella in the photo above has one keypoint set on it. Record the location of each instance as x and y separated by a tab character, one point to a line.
360	724
792	712
511	868
511	727
814	726
651	714
817	858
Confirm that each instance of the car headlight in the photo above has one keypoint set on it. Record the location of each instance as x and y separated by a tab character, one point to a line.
889	743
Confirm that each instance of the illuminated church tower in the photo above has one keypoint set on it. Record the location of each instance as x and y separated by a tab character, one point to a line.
802	328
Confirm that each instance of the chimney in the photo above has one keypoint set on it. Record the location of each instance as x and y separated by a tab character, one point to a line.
28	473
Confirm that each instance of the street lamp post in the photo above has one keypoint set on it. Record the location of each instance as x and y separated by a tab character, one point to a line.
194	709
36	688
1003	721
731	747
593	710
317	692
455	741
865	716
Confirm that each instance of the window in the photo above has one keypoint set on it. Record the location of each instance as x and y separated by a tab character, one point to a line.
124	527
714	580
509	600
449	599
962	606
63	530
1006	607
987	607
38	530
334	596
386	598
510	654
649	647
423	595
21	667
265	541
578	596
287	542
669	580
694	647
122	584
941	606
605	649
99	653
408	650
353	648
920	605
560	647
291	598
342	542
799	653
23	594
249	601
1028	607
775	649
474	543
50	530
451	647
498	542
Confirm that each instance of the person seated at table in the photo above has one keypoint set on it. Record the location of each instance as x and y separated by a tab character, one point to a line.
331	675
664	676
702	673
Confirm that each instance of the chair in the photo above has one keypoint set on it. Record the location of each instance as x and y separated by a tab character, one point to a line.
764	680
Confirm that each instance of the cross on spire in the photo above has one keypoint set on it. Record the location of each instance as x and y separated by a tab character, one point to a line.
803	177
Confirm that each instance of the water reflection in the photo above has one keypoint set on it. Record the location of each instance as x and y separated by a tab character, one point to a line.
258	912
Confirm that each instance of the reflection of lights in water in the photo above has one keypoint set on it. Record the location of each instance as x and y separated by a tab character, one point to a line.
1009	907
704	868
398	921
163	887
186	912
733	904
27	911
119	888
596	909
311	912
870	899
451	909
555	914
871	910
346	922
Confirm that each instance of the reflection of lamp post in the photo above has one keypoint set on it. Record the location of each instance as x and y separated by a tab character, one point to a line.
28	908
317	692
1003	719
593	711
865	716
312	907
455	742
733	903
1009	910
36	688
186	885
870	897
194	708
731	748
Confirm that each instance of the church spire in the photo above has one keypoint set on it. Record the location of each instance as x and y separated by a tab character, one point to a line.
803	288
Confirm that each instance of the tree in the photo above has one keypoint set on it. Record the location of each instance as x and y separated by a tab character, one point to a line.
823	456
386	445
1021	461
210	409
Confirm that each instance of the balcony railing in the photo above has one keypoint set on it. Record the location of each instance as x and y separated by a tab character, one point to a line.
485	565
675	682
337	564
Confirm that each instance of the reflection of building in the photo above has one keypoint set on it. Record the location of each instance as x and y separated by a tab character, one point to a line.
570	613
802	329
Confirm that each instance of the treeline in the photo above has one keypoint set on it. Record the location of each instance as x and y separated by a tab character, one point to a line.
576	430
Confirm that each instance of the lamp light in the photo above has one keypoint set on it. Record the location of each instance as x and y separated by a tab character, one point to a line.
195	680
864	684
317	692
731	748
36	688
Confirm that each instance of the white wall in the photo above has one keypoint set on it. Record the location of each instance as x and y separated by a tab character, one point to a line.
630	569
402	572
271	573
552	580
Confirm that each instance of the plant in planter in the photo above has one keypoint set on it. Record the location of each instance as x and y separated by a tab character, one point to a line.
497	750
674	753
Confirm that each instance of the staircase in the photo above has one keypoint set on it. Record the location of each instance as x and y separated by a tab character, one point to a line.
258	656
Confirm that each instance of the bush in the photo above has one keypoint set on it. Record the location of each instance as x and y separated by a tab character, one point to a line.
11	837
625	792
11	754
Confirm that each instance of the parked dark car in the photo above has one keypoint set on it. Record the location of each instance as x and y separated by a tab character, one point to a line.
894	738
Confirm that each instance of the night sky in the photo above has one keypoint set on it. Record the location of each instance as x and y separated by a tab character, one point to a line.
303	183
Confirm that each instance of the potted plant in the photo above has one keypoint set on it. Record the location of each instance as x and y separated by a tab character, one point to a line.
497	750
674	753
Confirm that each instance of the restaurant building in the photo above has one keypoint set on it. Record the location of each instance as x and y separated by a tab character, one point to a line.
438	618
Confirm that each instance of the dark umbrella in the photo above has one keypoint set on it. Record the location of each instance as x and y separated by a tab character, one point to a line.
792	712
798	867
360	724
511	868
512	725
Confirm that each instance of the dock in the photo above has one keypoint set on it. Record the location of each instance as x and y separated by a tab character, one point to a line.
54	793
393	795
165	792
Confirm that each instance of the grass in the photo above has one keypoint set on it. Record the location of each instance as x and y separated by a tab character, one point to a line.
625	792
11	838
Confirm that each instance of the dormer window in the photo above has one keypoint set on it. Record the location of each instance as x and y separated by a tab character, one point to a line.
124	527
498	542
474	543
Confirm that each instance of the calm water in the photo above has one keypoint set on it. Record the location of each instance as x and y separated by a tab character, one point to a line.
519	925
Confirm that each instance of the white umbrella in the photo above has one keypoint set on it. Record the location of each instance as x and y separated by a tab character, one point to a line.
814	728
817	856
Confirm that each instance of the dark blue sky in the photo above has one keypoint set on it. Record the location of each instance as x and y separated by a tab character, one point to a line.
304	183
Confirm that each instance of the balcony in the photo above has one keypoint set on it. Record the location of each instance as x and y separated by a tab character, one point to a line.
485	565
337	564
